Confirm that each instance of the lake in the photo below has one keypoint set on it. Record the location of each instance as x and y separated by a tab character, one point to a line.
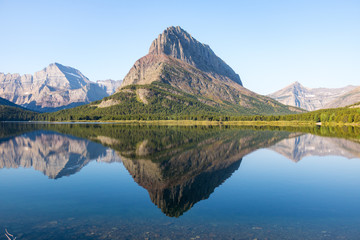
112	181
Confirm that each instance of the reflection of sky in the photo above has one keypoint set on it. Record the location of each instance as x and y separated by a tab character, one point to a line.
100	189
266	185
269	185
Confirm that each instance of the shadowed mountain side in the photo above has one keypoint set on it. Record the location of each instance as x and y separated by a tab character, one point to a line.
56	155
180	177
306	145
177	43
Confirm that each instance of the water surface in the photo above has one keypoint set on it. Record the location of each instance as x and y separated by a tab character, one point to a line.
149	182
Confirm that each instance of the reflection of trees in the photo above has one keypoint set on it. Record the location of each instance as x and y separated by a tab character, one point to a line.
179	166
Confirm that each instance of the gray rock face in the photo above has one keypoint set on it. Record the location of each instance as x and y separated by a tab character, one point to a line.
109	85
346	99
53	88
177	59
176	43
314	98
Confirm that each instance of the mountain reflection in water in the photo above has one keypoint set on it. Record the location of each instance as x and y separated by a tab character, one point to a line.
54	154
178	166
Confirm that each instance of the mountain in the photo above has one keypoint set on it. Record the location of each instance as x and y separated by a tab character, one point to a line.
316	98
109	85
178	78
179	60
176	43
346	99
53	88
5	102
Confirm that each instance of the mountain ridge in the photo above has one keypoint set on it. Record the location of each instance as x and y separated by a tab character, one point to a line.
311	99
50	89
175	59
177	43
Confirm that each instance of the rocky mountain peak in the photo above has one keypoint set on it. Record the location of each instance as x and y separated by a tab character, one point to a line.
315	98
177	43
58	75
54	87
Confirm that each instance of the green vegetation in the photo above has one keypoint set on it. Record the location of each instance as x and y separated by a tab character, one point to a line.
160	101
163	102
8	113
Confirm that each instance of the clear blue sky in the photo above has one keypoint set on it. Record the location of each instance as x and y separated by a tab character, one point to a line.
270	44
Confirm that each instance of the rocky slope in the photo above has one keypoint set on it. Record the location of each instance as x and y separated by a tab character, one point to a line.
179	60
109	85
53	88
316	98
346	99
5	102
177	43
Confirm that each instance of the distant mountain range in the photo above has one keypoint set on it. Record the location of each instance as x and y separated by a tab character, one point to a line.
178	77
53	88
317	98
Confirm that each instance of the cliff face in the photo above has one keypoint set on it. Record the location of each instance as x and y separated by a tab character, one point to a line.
109	85
316	98
346	99
177	43
179	60
53	88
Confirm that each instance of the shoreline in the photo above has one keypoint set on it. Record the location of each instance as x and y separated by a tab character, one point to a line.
195	122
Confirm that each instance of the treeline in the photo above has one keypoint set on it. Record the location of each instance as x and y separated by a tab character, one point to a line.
340	115
8	113
135	110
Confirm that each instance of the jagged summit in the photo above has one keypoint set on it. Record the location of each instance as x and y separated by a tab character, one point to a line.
53	88
177	43
58	75
177	60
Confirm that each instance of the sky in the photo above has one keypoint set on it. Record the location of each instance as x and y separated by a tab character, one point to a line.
270	44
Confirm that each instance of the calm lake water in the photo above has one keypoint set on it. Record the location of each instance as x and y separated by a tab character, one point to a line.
89	181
